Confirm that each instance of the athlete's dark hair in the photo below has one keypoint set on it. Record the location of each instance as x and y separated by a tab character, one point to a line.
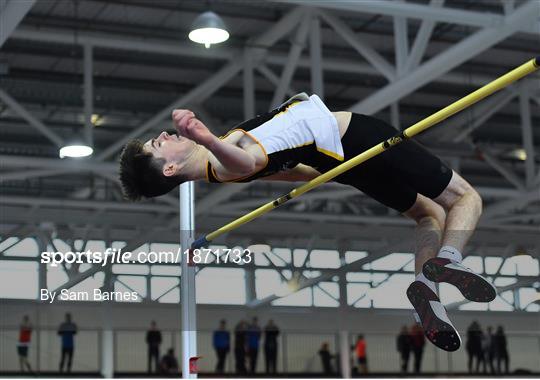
141	174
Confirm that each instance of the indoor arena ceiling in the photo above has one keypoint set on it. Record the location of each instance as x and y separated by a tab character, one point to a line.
143	64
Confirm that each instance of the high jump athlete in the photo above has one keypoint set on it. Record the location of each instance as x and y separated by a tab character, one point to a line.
302	139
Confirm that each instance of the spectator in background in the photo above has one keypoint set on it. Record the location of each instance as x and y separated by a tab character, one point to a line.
67	331
501	351
326	359
360	350
25	334
404	346
482	355
240	336
474	346
222	345
418	341
253	339
271	332
489	349
153	341
169	364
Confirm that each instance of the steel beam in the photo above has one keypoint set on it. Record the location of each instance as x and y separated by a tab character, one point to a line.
218	196
527	135
88	73
484	110
273	78
521	217
326	193
42	202
334	191
422	39
248	87
84	222
394	115
507	173
19	162
37	124
11	14
509	205
363	48
447	60
295	51
30	174
382	220
401	44
174	48
315	53
508	6
408	10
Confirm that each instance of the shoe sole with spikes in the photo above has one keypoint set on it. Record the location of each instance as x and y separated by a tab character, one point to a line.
473	286
437	327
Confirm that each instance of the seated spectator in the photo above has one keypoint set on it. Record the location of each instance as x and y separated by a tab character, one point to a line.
169	364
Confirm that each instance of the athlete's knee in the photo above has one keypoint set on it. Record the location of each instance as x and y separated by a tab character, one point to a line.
468	195
424	209
459	191
476	200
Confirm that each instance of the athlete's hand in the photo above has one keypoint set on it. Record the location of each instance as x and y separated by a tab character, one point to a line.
189	126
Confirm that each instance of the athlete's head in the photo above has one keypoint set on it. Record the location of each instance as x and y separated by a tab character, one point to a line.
154	168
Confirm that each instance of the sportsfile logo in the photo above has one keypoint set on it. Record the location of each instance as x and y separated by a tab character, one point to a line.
118	256
110	256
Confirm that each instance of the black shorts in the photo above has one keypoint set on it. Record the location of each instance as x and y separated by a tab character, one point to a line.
396	176
22	351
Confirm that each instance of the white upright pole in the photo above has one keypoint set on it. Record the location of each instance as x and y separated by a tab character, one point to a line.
187	286
345	354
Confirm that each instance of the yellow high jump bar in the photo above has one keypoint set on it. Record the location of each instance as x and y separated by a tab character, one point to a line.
437	117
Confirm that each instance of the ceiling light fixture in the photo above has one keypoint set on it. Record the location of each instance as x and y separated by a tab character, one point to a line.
75	151
208	29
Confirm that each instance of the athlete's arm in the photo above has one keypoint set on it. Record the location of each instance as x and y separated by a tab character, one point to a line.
233	158
300	173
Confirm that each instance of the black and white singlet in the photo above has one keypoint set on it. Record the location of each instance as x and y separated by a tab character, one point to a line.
302	130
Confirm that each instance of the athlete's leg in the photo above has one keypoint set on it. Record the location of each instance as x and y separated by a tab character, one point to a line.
463	207
430	223
422	293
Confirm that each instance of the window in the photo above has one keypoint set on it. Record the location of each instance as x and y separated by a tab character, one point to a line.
25	248
300	298
165	289
221	286
394	261
326	294
323	258
22	277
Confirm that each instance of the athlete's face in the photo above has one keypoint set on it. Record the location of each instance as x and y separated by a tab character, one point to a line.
171	148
